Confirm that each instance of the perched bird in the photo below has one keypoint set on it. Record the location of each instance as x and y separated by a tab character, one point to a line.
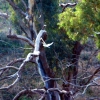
46	45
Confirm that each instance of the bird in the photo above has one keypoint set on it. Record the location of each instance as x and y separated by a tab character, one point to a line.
46	45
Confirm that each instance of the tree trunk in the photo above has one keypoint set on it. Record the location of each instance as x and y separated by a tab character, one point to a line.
72	71
75	57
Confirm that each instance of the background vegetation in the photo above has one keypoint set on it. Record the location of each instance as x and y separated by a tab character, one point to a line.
81	23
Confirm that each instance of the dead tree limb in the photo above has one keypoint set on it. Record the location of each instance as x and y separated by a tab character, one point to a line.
20	37
96	71
10	64
15	7
66	5
29	92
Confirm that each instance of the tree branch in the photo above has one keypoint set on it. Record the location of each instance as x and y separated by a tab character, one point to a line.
21	38
39	91
66	5
11	85
29	92
8	77
96	71
7	67
16	8
24	4
11	63
18	73
24	28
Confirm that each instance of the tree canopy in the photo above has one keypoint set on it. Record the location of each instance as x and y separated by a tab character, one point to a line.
82	21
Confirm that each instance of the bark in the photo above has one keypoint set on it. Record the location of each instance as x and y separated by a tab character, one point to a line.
76	53
48	71
30	17
64	97
72	71
42	64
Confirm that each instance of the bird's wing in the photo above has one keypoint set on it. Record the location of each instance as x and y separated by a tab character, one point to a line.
47	45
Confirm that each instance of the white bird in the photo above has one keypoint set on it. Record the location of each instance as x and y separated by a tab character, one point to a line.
46	45
97	33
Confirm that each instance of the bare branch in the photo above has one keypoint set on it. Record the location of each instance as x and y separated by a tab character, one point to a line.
15	61
10	64
30	92
85	89
96	71
11	85
95	81
67	5
16	8
7	67
42	97
49	78
39	91
21	38
8	77
24	28
18	73
24	4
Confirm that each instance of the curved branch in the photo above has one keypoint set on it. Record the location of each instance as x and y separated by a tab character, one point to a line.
39	91
9	77
24	4
29	92
65	5
16	8
10	64
15	61
21	38
17	74
11	85
7	67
